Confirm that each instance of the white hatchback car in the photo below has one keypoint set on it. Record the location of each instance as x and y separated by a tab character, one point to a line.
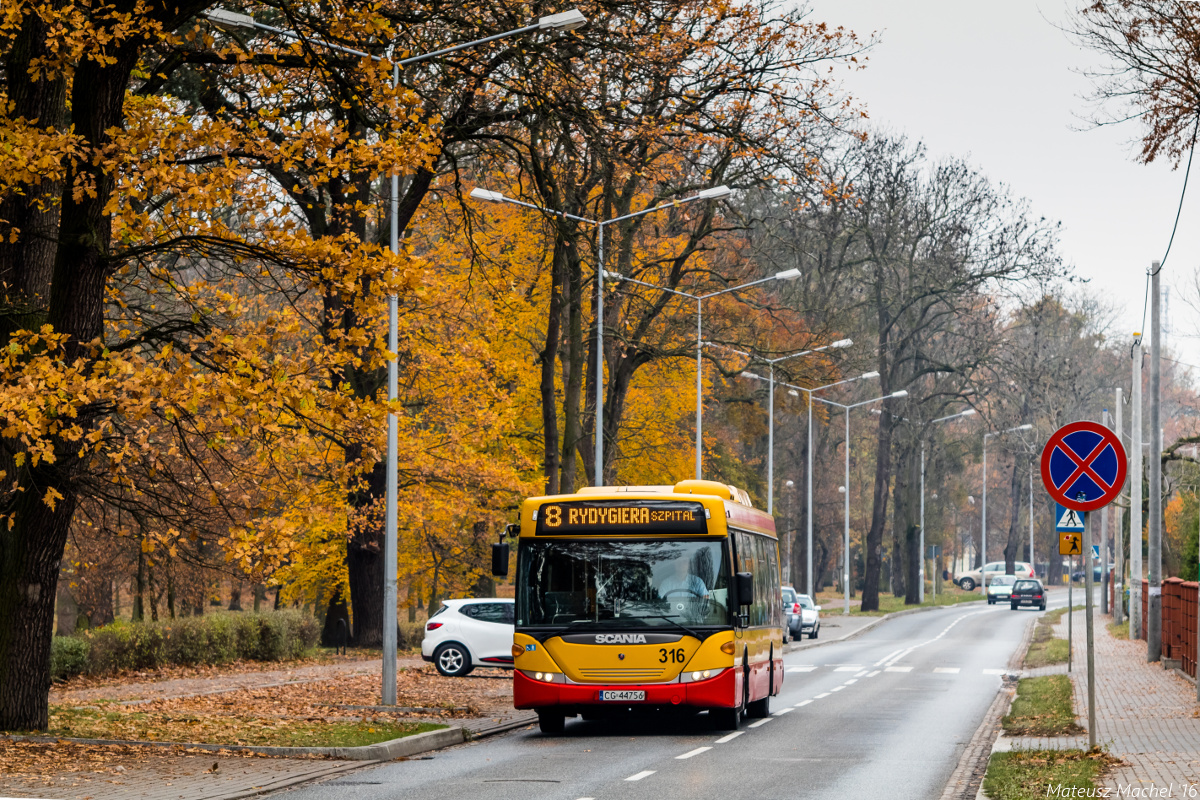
464	634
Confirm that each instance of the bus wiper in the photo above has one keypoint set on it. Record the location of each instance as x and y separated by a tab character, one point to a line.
671	620
560	631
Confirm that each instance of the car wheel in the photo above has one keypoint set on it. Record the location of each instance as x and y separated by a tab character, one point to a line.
967	585
1042	607
452	660
816	629
551	722
991	601
1013	606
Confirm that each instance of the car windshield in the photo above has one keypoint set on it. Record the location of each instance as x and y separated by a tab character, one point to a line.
789	597
1002	580
806	602
620	583
1027	585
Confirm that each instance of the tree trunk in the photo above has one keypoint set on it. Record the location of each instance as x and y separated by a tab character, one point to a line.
873	557
139	586
235	595
30	553
337	622
548	359
364	559
1014	529
573	383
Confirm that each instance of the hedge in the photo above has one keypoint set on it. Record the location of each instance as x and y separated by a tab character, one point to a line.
210	639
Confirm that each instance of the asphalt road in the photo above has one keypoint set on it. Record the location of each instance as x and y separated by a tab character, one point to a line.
886	714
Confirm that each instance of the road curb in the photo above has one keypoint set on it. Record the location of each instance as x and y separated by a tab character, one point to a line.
381	751
966	782
793	648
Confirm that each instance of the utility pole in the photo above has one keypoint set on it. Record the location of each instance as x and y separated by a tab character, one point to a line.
1154	607
1104	576
1119	593
1032	560
1135	496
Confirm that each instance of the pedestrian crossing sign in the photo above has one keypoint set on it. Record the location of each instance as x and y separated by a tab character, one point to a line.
1069	520
1069	544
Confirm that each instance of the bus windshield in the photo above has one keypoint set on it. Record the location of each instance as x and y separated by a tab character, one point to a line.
615	583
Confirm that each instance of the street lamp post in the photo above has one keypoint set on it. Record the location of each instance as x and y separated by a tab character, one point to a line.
808	478
771	362
786	275
983	533
231	20
714	193
846	501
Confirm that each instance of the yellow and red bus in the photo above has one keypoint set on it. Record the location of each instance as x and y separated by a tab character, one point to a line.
646	598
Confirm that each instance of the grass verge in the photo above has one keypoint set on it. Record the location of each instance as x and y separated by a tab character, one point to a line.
1029	774
1045	648
1119	630
1042	707
889	603
96	723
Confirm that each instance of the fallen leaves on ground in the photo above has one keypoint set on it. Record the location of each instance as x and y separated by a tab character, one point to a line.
309	713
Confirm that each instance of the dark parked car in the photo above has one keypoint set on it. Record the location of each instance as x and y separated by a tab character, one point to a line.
1027	592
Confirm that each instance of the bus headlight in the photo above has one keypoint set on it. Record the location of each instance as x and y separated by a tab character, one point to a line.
699	675
544	677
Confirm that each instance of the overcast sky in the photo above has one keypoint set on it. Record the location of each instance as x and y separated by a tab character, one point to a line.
999	84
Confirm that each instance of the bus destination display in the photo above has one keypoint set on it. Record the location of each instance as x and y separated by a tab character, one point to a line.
608	517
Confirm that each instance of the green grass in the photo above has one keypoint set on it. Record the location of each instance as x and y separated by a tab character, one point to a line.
1119	630
1046	649
1030	774
93	723
1042	707
889	603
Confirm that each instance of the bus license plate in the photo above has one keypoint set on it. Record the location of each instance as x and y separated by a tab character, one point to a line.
625	696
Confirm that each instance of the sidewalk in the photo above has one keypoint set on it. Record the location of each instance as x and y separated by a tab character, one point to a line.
1146	716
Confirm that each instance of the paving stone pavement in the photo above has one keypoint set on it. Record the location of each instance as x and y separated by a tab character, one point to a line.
1146	716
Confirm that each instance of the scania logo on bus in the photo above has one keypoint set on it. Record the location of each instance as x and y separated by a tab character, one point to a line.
620	638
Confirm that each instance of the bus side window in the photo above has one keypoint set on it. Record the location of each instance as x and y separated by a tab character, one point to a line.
762	581
774	608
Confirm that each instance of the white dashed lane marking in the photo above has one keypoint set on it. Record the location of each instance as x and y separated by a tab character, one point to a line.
802	703
729	737
823	694
691	753
781	712
994	671
760	722
849	668
946	670
897	669
801	669
861	674
646	773
872	673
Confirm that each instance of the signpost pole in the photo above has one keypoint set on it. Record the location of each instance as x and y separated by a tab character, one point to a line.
1119	589
1135	496
1070	610
1091	654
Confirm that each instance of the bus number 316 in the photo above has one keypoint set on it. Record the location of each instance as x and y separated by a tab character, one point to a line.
675	656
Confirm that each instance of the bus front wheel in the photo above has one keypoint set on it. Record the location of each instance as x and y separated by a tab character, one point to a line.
551	722
725	719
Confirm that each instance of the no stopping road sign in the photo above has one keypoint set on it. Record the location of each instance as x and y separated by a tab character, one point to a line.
1084	466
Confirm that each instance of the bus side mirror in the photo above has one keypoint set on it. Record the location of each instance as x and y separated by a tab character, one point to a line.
744	581
500	559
